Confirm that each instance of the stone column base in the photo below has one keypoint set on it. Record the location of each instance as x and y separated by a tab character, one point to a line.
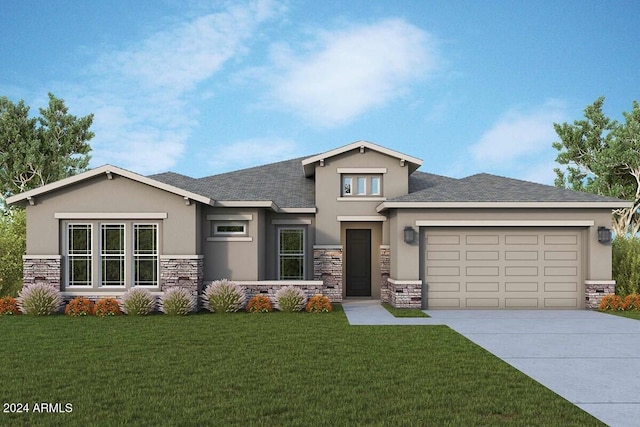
327	266
385	270
182	271
42	269
594	290
405	293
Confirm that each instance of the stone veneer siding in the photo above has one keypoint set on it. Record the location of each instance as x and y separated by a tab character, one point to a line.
269	288
42	269
594	291
385	269
404	295
327	266
182	272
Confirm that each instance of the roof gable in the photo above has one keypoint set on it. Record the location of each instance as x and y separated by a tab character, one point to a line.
308	164
107	170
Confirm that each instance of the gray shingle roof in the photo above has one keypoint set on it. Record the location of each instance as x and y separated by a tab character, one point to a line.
284	183
484	187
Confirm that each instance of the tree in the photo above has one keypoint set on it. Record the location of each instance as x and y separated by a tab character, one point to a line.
34	151
37	151
602	156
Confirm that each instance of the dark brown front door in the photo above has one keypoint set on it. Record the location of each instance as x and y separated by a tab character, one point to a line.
358	263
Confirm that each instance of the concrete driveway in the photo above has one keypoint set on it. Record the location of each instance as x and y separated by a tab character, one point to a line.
589	358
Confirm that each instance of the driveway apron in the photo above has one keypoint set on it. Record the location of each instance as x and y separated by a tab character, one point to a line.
591	359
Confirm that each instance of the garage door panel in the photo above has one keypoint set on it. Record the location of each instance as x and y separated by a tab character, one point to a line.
510	267
483	255
482	271
483	286
482	302
444	287
521	255
521	286
560	286
521	303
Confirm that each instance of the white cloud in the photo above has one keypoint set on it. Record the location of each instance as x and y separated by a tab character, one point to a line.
517	134
140	94
253	152
349	72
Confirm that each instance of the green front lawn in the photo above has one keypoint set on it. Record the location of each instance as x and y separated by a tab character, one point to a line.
631	314
263	369
404	312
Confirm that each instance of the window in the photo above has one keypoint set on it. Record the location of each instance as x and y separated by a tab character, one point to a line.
365	185
291	254
347	186
112	254
145	255
229	228
122	255
79	254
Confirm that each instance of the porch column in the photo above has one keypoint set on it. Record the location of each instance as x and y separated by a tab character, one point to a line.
327	266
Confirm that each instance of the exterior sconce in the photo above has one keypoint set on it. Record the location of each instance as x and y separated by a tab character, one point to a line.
409	234
604	235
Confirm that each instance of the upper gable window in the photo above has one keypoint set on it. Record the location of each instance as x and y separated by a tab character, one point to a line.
361	185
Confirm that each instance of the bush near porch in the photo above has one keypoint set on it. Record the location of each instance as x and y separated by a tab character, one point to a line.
280	369
625	265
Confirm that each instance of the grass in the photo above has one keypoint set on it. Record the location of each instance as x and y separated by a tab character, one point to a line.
631	314
404	312
263	369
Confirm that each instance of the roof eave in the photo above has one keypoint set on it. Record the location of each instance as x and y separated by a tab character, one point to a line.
308	164
108	170
503	205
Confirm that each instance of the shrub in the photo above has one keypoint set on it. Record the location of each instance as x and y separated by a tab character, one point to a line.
107	307
223	296
9	306
177	301
289	298
319	304
79	307
138	302
625	265
259	304
610	302
39	299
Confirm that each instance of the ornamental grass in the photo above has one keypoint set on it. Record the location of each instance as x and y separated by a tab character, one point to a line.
138	302
79	306
319	304
259	304
177	301
289	298
223	296
9	306
40	299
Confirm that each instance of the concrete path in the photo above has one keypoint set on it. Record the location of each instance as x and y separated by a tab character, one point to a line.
589	358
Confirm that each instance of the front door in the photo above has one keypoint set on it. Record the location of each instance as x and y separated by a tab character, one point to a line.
358	263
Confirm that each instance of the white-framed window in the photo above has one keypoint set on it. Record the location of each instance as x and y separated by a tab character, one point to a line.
230	228
375	186
291	253
365	185
123	254
112	254
79	255
145	255
347	186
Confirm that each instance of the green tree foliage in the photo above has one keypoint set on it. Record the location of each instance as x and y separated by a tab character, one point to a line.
35	151
12	245
602	156
626	265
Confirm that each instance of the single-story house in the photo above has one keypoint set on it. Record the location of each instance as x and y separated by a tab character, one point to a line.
356	221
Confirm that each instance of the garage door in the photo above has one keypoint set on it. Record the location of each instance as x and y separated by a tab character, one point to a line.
513	268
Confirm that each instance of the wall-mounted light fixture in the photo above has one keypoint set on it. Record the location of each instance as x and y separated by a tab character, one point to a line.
604	235
409	234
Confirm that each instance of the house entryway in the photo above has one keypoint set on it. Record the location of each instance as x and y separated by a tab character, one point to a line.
358	263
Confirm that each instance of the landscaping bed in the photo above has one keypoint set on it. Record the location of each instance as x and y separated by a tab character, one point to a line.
265	368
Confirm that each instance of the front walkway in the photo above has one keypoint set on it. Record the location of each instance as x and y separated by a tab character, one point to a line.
591	359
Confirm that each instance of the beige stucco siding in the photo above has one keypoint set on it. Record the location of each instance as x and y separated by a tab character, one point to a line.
118	195
328	191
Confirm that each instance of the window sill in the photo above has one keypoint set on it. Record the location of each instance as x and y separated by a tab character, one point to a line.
361	199
229	239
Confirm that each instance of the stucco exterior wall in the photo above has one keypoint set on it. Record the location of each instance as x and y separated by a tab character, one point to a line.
328	191
118	195
405	258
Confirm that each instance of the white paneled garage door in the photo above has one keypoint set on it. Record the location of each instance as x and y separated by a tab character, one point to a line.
513	268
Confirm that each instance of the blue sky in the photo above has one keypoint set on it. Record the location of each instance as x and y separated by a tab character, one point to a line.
203	87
